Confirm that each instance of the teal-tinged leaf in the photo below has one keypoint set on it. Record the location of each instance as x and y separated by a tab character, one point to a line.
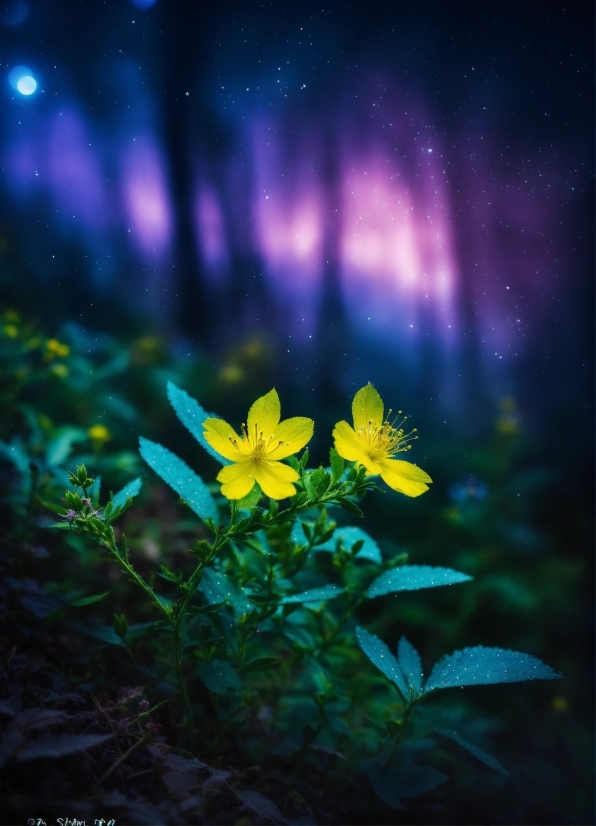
192	416
297	534
180	478
485	666
380	655
219	676
95	489
80	603
61	445
14	453
478	753
107	634
315	594
128	491
411	665
350	535
412	578
394	782
216	587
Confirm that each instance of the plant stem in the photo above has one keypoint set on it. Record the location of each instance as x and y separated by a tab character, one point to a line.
180	678
121	760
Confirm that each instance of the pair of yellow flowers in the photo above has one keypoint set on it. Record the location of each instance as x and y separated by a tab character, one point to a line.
265	440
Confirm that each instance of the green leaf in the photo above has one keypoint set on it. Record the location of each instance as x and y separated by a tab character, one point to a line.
216	587
192	416
478	753
413	578
318	481
129	491
349	536
180	478
94	490
61	445
395	782
261	663
315	594
486	666
380	655
79	603
337	465
107	634
349	505
411	665
219	676
306	529
251	499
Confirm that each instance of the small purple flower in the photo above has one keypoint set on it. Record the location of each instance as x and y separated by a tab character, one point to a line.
143	706
152	726
71	515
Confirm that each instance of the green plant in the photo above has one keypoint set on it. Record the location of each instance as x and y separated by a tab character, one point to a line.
266	618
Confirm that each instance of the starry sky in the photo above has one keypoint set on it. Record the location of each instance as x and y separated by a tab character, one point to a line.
402	190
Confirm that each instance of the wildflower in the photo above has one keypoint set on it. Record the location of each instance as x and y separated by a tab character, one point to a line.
56	348
71	515
59	370
255	455
373	442
143	706
99	433
10	331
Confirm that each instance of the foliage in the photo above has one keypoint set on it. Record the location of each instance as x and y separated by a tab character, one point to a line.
246	629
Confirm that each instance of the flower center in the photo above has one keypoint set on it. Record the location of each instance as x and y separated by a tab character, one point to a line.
387	440
258	444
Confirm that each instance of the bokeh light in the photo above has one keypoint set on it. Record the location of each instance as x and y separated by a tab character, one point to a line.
21	79
13	14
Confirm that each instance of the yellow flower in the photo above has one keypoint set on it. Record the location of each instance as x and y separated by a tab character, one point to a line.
255	454
60	370
10	331
56	348
99	433
373	441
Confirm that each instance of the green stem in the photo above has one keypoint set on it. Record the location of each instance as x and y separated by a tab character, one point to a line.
400	734
121	760
181	682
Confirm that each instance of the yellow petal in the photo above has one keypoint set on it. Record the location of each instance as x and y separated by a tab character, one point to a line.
276	479
237	480
218	433
347	443
372	466
264	413
404	476
367	407
293	435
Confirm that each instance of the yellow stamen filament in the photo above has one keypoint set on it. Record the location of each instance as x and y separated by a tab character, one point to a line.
382	442
259	446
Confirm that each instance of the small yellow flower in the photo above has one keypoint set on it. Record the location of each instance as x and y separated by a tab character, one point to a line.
59	370
560	704
56	348
11	316
255	455
99	433
373	441
10	331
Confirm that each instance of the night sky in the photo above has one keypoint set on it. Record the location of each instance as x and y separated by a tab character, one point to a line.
394	192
